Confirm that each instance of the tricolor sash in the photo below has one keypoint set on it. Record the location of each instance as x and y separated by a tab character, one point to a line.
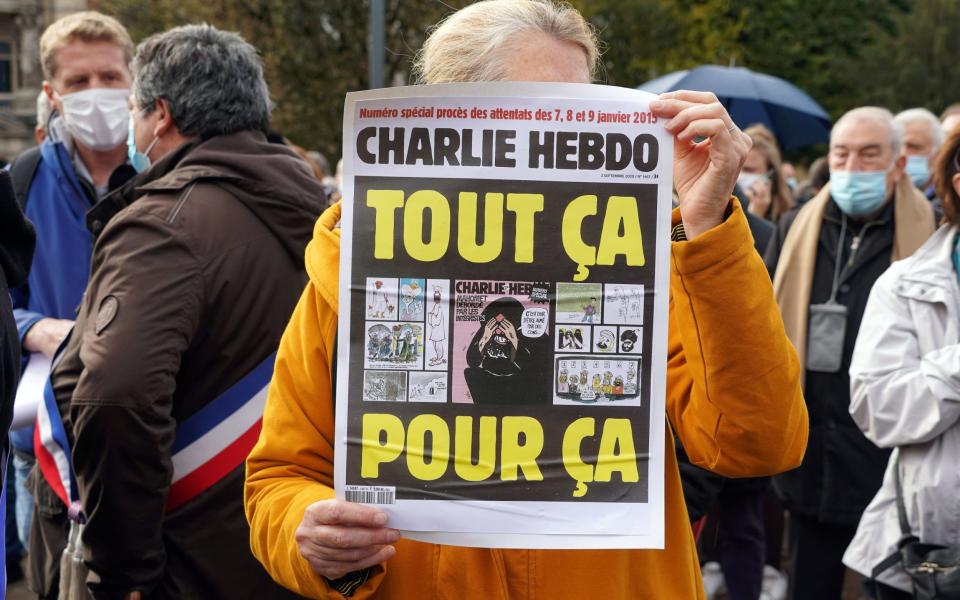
207	446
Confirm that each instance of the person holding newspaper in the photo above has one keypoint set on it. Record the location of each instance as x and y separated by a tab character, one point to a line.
738	418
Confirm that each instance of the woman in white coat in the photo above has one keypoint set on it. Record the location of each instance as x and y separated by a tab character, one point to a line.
905	392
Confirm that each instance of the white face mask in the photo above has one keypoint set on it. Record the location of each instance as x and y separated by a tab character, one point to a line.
746	180
97	118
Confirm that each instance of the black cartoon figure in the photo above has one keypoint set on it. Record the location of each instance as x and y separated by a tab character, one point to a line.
571	339
503	365
628	339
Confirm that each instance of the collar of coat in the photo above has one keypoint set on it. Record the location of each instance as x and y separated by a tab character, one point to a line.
931	269
122	197
793	280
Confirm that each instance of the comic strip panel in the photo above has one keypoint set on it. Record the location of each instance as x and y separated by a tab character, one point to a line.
630	341
427	387
385	386
597	380
381	299
605	339
411	299
622	304
394	346
572	338
502	346
437	342
579	302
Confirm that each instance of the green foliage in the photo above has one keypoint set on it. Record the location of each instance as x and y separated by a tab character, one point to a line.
844	53
314	51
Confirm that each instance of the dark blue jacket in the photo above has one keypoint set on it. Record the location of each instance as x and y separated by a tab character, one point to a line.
57	203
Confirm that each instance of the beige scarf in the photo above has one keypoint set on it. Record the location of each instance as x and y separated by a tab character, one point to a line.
913	224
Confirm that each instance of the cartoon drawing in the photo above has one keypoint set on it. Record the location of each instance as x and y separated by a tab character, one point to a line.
630	340
428	387
622	298
571	338
635	306
589	310
579	302
411	299
381	299
582	380
573	386
606	341
618	386
395	346
595	385
384	386
623	304
504	366
438	328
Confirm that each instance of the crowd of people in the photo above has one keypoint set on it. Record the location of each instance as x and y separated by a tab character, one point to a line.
185	258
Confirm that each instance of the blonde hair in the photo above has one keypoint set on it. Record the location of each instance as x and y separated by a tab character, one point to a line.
466	46
765	142
86	26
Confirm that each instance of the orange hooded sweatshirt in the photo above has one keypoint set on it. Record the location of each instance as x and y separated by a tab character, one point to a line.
733	397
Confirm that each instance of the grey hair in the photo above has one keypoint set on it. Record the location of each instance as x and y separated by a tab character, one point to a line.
912	115
876	114
212	80
469	44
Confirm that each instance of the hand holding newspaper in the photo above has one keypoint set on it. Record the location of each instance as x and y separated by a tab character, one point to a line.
503	324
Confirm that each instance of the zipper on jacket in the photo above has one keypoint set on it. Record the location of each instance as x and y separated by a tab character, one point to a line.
855	243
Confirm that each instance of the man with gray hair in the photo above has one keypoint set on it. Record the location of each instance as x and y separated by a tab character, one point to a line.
824	260
197	265
922	138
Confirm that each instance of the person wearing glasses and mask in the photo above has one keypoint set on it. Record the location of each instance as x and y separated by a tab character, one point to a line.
824	260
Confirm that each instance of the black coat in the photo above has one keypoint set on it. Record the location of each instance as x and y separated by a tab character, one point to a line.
16	253
842	470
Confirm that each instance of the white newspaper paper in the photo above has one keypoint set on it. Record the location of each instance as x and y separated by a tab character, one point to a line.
503	313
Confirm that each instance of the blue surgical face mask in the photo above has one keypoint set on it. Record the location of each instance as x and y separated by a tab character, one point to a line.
918	168
140	161
858	193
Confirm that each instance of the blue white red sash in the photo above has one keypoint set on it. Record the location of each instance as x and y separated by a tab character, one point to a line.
207	446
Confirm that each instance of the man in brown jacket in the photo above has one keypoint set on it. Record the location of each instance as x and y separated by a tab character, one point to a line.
197	266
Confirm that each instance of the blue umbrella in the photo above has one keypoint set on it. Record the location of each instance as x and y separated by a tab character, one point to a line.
793	116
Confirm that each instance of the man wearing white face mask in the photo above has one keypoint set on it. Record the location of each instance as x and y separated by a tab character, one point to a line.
922	138
85	58
825	259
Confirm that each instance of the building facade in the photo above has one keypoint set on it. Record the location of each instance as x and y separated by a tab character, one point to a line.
21	78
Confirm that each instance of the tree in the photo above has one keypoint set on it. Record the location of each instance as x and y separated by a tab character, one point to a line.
314	51
844	53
